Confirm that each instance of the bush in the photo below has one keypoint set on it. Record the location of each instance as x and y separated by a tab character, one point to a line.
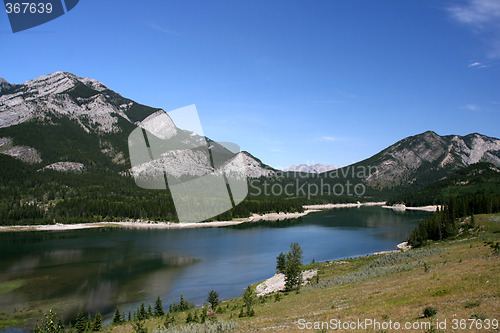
472	304
429	312
208	327
388	264
480	316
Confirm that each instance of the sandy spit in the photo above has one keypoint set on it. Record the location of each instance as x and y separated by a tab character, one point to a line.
346	205
431	208
145	224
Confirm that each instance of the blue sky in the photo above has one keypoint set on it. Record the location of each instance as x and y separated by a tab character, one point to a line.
292	82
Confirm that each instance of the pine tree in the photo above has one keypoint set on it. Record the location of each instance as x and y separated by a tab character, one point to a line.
159	308
141	313
183	304
97	324
204	315
169	320
248	299
51	324
117	318
195	317
213	299
281	263
150	311
293	272
81	323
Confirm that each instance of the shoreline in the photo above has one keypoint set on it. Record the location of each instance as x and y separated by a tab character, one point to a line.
146	224
402	208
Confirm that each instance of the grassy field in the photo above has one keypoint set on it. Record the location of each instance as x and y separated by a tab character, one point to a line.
458	278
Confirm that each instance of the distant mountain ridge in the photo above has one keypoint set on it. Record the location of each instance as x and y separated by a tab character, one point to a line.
427	157
316	168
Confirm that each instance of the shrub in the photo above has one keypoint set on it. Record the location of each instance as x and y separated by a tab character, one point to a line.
208	327
429	312
472	304
480	316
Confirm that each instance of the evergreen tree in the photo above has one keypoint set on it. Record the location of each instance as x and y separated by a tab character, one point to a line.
141	313
169	320
150	311
293	271
183	304
204	315
159	308
248	299
213	299
97	324
139	327
281	263
51	324
117	317
195	317
80	323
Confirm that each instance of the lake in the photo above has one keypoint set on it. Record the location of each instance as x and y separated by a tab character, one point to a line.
100	269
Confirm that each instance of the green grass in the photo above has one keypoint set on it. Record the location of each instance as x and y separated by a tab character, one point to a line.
7	287
8	323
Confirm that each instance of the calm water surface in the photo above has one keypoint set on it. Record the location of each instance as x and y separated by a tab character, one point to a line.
99	269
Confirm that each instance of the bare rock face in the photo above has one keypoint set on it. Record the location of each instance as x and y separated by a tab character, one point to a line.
428	153
65	167
61	93
23	153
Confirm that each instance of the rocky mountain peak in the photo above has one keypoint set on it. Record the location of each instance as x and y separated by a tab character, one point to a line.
429	154
86	101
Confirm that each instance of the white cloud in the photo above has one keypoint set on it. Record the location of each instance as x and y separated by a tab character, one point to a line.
477	12
477	64
276	150
330	138
471	107
483	16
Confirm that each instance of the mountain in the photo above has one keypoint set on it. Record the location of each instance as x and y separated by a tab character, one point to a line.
64	152
481	179
424	158
63	118
316	168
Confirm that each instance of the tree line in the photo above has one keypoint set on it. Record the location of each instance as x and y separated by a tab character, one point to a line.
443	224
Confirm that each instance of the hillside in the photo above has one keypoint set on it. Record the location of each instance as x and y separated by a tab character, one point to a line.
457	278
424	158
477	179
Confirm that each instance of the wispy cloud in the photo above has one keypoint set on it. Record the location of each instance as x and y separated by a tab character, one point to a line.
163	30
483	16
277	150
477	64
471	107
327	138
